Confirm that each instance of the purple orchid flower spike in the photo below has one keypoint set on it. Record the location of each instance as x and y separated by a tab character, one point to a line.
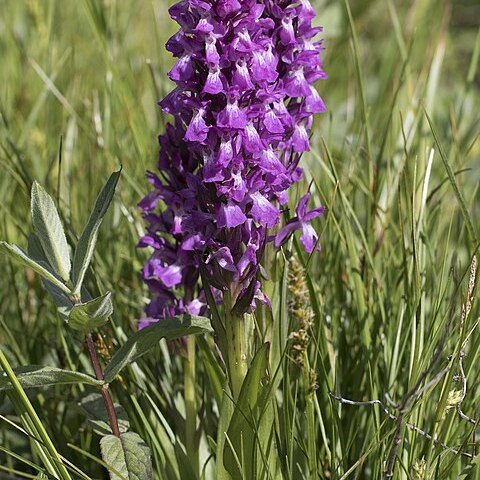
242	110
309	237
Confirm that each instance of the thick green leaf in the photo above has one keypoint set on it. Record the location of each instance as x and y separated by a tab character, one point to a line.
21	257
94	409
34	376
244	443
128	456
144	340
49	230
88	238
92	314
227	408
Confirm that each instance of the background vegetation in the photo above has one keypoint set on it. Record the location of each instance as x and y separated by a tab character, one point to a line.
397	162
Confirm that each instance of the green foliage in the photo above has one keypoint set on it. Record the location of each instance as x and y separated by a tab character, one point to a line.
128	457
88	238
94	409
90	315
49	230
39	376
144	340
249	438
17	254
402	195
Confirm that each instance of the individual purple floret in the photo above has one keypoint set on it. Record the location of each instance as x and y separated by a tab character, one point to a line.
242	110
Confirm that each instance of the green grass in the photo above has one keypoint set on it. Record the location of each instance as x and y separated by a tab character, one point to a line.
397	162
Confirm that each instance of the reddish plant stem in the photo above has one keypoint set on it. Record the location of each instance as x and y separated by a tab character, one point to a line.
107	396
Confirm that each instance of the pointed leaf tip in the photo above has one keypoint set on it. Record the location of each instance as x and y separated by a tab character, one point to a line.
88	238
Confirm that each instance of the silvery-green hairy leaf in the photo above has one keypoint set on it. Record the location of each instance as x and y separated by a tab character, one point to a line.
61	300
92	314
128	457
88	239
49	230
35	249
144	340
93	407
34	376
20	256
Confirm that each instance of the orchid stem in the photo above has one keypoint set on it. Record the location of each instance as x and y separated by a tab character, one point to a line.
237	348
191	405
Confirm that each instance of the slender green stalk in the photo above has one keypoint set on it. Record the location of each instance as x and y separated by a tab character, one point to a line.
236	348
311	428
59	468
191	405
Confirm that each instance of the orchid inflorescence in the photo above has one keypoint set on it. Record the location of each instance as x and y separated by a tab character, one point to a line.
242	108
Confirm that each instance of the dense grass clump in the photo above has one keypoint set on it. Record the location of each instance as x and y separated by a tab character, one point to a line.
374	346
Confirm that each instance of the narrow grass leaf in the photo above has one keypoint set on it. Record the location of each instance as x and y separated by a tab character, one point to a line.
463	206
144	340
88	238
49	230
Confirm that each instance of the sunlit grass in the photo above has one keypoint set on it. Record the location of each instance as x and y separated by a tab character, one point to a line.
396	160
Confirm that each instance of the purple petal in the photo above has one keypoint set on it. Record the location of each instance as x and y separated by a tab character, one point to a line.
183	70
170	276
263	212
302	206
264	65
195	307
197	130
314	103
232	116
146	322
230	216
296	84
287	33
211	52
300	141
316	212
272	123
251	139
241	76
285	232
149	202
309	237
224	258
213	83
248	257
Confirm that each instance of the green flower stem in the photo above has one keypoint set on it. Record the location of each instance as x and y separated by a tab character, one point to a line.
191	405
59	468
237	363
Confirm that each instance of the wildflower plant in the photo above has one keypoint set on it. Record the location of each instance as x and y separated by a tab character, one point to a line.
123	451
242	108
